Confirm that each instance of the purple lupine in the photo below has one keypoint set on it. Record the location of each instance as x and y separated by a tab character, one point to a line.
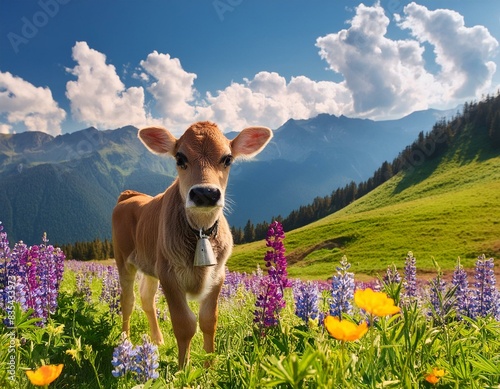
123	356
392	275
342	290
437	291
271	299
410	278
462	291
232	282
484	295
141	360
111	289
37	272
306	300
145	360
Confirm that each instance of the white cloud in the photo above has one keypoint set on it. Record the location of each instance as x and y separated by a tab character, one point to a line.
269	100
22	102
389	77
172	89
462	52
386	77
98	96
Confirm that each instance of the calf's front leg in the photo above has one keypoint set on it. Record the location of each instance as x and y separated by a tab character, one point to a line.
208	318
183	319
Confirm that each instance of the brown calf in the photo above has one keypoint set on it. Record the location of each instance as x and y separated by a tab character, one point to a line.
158	235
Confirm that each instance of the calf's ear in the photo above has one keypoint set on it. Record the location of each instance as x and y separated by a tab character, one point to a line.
158	140
250	142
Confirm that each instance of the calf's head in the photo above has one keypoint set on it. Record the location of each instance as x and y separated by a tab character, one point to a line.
204	157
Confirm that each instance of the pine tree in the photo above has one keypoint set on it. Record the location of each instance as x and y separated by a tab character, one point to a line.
494	132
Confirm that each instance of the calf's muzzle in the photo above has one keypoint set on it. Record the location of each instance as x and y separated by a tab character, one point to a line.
205	196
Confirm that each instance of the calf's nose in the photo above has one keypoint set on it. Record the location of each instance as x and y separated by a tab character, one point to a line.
204	196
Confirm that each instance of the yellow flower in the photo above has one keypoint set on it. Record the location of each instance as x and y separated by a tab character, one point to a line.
375	303
434	377
44	375
345	330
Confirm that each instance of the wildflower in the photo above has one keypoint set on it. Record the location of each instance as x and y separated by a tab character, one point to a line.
111	289
485	292
36	273
437	289
123	356
345	330
271	300
462	291
145	360
375	303
392	275
44	375
342	289
434	377
306	300
410	277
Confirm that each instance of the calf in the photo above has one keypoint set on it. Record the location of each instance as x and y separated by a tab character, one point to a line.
159	235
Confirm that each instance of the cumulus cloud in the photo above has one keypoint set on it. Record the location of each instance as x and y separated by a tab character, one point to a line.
269	100
382	78
172	88
98	96
462	52
389	77
23	103
386	77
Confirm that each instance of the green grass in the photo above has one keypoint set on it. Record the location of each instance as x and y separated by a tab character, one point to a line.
448	207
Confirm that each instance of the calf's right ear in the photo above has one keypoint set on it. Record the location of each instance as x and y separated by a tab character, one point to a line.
158	140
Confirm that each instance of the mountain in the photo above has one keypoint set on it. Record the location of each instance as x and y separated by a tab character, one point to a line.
67	185
310	158
443	206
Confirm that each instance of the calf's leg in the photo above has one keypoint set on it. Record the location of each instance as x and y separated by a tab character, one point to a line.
183	319
127	274
208	319
148	289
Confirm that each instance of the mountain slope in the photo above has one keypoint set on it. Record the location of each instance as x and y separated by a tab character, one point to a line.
446	207
67	185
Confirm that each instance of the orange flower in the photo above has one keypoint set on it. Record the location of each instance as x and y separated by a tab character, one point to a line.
375	303
345	330
44	375
434	377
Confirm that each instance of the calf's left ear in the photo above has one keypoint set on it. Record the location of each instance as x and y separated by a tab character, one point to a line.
158	140
250	142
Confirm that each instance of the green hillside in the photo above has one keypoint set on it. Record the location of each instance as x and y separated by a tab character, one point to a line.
447	207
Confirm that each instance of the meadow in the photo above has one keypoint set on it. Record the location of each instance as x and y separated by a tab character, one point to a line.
271	331
444	208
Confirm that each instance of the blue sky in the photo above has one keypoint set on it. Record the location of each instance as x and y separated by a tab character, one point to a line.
69	64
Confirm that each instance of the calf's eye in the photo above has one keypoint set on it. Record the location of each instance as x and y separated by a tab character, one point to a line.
181	160
227	160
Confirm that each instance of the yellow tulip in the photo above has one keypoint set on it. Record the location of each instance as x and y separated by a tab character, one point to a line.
345	330
375	303
44	375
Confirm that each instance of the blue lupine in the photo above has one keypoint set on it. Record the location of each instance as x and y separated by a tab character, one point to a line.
141	361
342	290
410	278
392	275
462	291
306	300
111	289
145	361
123	356
437	292
484	295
